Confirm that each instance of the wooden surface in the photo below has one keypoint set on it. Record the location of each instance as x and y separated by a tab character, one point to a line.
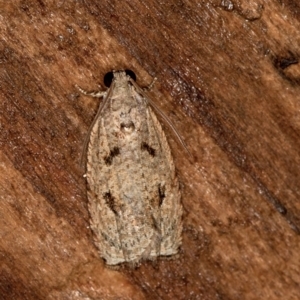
228	78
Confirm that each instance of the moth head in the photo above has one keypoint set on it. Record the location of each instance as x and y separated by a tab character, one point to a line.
108	77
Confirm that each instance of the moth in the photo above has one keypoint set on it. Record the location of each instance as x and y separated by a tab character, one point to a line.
133	192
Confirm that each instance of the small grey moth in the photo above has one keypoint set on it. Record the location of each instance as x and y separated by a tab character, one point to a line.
134	196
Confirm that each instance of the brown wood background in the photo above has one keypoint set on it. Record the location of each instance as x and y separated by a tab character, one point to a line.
228	78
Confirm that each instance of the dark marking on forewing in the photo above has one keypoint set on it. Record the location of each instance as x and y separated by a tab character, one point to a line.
110	201
155	224
161	193
113	153
149	149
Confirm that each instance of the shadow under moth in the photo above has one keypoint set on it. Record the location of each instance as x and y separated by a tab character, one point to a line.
133	192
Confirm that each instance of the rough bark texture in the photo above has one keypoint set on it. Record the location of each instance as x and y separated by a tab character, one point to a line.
228	78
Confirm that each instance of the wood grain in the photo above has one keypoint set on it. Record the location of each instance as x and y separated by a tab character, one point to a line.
228	78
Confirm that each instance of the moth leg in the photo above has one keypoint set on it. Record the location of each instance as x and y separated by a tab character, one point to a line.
149	87
98	94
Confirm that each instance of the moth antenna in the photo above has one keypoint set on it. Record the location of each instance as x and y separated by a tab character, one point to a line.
168	121
150	86
98	94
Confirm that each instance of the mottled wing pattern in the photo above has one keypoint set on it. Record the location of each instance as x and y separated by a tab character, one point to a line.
134	197
170	208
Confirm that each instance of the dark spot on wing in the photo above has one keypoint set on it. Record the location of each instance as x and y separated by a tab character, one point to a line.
155	224
148	148
110	201
113	153
161	194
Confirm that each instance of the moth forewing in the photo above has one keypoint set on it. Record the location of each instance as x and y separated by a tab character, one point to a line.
134	196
